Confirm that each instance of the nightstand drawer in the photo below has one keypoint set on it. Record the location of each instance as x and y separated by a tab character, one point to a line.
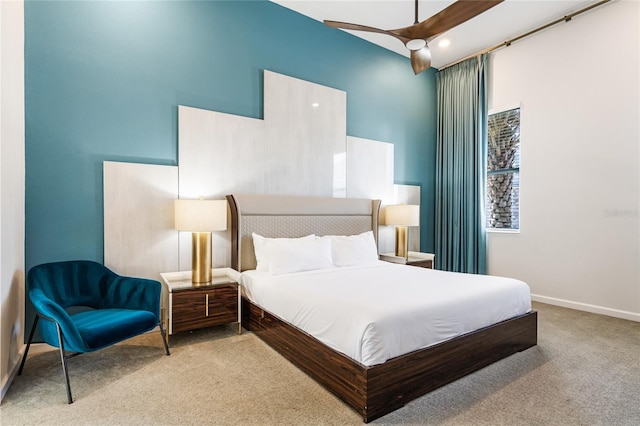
197	308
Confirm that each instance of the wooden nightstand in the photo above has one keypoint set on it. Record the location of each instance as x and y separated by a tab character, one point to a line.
189	307
423	260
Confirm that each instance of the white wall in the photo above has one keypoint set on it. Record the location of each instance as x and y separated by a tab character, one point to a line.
11	188
578	87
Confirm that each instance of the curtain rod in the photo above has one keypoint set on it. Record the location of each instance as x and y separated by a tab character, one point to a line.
507	43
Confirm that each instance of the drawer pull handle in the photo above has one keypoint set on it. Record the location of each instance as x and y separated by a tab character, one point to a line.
206	313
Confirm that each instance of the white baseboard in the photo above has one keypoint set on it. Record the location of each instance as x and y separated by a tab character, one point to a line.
632	316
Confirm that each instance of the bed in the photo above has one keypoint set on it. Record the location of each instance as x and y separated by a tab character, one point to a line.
373	385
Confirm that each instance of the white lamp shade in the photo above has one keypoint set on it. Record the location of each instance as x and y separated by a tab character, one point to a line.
200	215
403	215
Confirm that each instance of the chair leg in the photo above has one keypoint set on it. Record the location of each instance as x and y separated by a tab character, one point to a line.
63	358
26	351
164	338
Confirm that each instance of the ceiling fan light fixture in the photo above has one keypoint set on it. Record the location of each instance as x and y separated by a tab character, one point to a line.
416	44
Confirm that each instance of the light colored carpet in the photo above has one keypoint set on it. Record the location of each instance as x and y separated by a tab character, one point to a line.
584	371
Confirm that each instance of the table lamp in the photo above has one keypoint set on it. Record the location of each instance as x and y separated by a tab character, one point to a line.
403	216
200	217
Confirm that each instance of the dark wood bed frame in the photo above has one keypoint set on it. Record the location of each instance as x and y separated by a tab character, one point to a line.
380	389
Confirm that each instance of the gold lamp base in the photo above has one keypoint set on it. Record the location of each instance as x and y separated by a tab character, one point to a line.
402	242
201	257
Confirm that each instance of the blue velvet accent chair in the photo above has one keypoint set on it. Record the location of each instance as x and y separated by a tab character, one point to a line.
86	307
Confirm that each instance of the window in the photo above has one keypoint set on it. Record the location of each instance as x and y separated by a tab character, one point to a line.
503	170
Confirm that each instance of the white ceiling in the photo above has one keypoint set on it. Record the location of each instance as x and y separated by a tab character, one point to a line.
500	23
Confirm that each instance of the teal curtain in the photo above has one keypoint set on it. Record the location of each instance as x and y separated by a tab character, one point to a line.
460	167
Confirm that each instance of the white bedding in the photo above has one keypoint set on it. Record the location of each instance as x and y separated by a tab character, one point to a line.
377	312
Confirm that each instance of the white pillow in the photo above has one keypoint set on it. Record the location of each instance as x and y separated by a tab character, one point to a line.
353	250
297	255
261	249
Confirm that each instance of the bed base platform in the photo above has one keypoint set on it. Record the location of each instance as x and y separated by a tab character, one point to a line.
380	389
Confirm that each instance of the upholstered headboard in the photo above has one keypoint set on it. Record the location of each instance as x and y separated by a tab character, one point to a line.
280	216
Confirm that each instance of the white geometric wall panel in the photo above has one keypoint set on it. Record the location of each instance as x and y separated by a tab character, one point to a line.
299	148
369	169
139	238
306	137
219	153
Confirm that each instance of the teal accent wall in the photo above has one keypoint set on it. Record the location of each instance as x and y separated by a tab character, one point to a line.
103	81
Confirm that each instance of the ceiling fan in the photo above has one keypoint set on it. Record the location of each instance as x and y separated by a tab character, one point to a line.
417	36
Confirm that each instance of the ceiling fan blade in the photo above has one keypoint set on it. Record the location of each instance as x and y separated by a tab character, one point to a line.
420	59
450	17
358	27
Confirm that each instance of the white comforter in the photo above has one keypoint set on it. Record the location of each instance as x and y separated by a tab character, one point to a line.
378	312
